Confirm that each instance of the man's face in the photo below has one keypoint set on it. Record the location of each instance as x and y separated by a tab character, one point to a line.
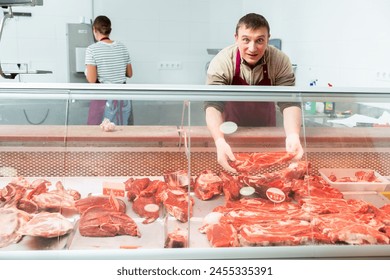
252	43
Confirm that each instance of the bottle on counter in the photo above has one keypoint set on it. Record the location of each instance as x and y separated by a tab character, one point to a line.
310	107
329	107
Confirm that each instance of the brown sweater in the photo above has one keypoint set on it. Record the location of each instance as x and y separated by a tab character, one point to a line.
222	68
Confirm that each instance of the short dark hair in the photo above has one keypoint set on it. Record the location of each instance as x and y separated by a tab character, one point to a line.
253	21
102	24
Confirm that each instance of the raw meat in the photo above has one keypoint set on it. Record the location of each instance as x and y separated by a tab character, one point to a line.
147	208
280	232
12	220
11	194
312	186
177	239
178	179
135	186
104	222
254	162
222	235
207	185
102	201
343	229
46	225
177	202
360	176
54	200
230	186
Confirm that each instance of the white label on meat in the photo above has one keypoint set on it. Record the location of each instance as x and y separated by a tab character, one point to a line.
275	195
228	127
247	191
151	207
177	192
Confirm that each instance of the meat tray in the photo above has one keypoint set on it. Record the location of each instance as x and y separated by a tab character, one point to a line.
353	186
153	235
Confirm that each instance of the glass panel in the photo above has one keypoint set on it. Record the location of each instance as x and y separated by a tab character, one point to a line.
167	161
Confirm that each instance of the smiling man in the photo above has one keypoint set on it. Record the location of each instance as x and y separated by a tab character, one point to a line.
251	61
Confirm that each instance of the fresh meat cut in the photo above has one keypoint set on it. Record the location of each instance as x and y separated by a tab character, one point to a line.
222	235
103	222
360	176
254	162
177	239
312	186
11	194
207	185
146	207
102	201
280	232
12	220
135	186
178	179
230	186
177	202
341	229
46	225
55	200
323	205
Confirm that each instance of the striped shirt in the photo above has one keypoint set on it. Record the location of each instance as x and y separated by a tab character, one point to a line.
111	61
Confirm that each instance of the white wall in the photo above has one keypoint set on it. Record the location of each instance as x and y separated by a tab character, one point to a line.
344	42
40	40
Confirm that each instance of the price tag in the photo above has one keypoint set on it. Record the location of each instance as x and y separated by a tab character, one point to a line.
247	191
275	195
228	127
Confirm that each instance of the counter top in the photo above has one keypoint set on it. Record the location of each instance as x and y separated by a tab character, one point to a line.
200	136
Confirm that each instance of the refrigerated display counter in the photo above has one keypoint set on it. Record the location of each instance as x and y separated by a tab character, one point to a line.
86	158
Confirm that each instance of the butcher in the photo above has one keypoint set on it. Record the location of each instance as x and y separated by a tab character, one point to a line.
251	61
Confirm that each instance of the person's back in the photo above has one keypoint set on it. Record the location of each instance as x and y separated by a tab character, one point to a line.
108	62
111	60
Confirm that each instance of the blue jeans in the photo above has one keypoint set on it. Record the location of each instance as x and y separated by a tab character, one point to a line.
119	111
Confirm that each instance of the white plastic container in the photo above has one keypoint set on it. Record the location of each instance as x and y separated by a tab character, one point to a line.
353	186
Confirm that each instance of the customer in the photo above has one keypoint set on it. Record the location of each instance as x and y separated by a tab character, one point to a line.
251	61
108	62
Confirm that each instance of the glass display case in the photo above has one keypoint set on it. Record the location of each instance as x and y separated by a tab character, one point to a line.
49	154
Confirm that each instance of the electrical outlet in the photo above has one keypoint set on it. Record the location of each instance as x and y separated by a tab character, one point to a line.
383	76
169	65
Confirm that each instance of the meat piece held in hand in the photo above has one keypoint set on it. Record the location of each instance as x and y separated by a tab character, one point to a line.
255	162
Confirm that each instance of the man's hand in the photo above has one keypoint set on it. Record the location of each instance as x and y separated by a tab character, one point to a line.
293	145
224	152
